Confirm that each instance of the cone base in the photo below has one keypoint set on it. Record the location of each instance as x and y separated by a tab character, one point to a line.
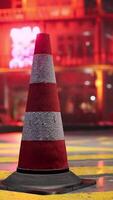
45	184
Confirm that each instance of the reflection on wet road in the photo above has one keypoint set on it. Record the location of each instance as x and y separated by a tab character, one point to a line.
89	155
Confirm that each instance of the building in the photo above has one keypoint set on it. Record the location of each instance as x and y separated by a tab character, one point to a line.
82	44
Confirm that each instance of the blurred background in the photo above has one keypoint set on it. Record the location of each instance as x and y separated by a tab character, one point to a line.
82	44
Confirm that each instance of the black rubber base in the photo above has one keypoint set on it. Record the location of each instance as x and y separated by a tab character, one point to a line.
44	184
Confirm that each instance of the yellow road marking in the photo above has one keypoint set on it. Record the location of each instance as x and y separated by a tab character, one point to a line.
82	149
76	142
90	157
8	159
93	170
4	174
78	196
70	157
77	170
107	143
11	145
8	151
103	138
69	149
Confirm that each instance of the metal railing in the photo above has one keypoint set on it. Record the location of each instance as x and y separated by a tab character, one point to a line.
96	59
37	13
69	61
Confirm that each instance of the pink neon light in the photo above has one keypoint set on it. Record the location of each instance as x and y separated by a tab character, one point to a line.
23	41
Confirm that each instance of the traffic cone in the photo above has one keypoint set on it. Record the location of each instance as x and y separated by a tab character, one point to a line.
43	166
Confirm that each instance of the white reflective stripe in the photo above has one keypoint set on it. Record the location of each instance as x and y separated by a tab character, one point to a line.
43	126
43	69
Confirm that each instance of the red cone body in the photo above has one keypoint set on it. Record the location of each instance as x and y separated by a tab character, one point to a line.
43	145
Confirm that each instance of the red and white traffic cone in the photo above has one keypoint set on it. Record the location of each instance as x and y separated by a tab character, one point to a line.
42	166
43	145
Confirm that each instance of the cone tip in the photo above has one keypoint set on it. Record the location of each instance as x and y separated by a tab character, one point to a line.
42	45
43	34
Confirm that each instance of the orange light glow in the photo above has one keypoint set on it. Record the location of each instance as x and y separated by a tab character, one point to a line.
101	182
99	3
78	6
99	88
100	167
24	3
74	2
101	163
